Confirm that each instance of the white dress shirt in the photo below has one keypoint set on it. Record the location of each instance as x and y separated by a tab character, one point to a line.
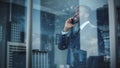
81	26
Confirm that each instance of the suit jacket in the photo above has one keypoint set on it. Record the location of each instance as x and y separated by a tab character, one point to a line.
88	39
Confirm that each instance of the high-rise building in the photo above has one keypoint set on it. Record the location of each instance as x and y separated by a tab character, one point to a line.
47	31
3	33
17	32
103	22
12	22
16	55
40	59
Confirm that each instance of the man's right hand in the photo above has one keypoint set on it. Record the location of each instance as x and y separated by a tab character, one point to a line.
68	25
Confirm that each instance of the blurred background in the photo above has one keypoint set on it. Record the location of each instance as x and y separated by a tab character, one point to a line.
48	18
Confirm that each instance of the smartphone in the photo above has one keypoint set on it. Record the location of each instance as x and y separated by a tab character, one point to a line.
74	20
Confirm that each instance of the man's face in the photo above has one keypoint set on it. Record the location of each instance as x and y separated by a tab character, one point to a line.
76	16
81	13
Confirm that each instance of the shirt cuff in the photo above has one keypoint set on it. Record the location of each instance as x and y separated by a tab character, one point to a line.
63	33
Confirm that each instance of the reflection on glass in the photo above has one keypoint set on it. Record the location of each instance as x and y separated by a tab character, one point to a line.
117	7
12	34
48	16
93	38
88	40
96	40
86	44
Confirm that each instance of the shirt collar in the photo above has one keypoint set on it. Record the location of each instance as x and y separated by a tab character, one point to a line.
84	24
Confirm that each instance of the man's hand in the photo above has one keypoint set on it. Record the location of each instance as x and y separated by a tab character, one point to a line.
68	25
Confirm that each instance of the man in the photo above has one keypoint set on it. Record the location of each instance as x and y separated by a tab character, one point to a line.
80	34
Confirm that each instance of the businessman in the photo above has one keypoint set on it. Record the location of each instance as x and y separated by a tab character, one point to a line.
80	34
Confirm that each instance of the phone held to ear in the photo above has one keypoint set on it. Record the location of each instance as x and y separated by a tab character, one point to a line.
74	20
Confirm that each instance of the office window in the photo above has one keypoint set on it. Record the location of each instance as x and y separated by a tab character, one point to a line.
86	44
48	21
12	30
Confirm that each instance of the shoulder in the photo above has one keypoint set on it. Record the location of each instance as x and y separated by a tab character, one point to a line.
92	26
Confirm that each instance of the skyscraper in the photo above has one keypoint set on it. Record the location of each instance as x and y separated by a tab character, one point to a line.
16	55
10	30
103	22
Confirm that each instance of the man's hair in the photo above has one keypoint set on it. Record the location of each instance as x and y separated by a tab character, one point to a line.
87	9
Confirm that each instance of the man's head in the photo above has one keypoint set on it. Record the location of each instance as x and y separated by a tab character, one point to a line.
83	12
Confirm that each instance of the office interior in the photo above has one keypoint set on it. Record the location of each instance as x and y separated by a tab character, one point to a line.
47	19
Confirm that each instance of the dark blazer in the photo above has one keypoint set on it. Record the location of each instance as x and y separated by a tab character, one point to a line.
86	39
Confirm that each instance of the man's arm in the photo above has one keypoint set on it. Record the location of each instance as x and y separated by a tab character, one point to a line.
63	39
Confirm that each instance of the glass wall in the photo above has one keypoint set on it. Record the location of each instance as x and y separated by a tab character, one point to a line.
12	34
65	34
91	49
94	36
117	9
3	20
